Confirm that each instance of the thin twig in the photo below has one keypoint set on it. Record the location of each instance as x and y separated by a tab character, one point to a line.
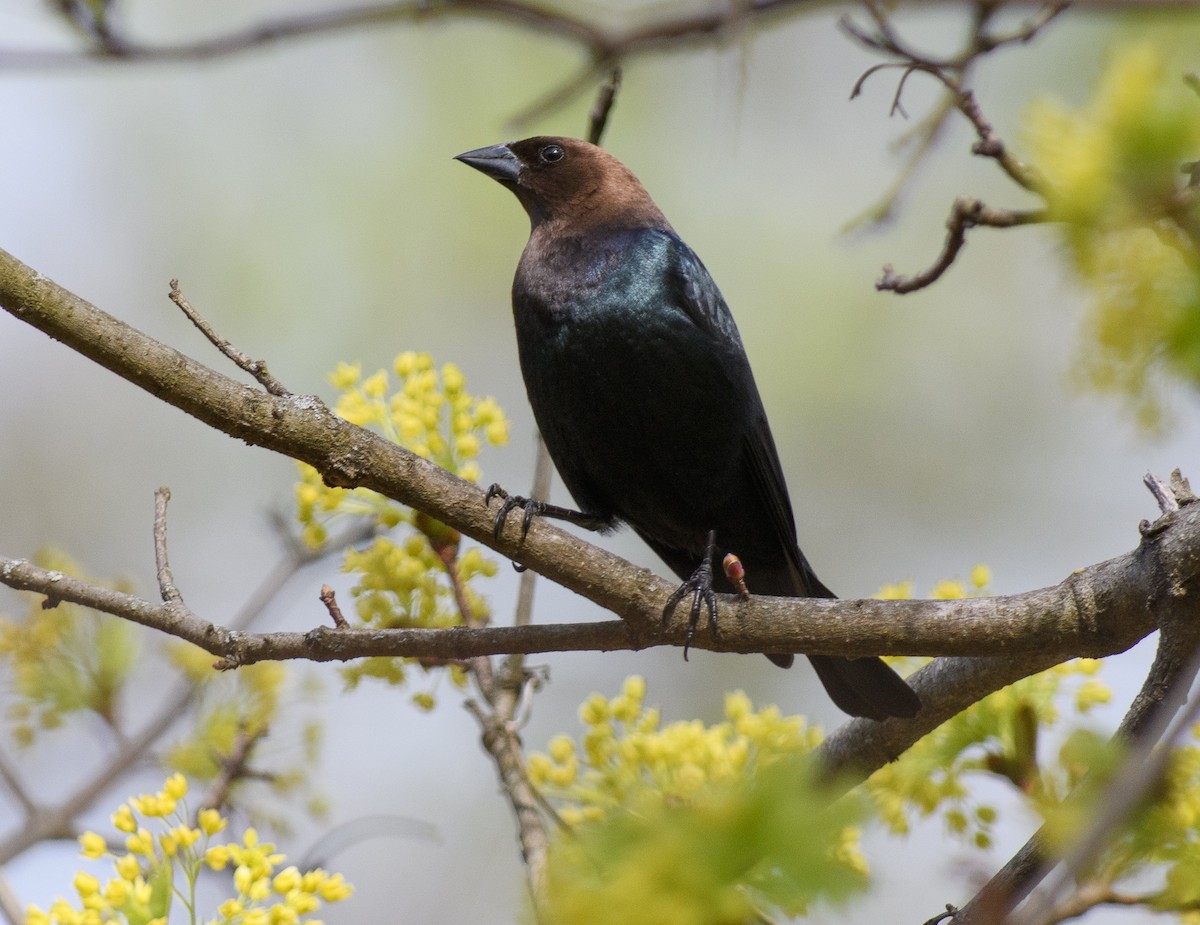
1092	894
991	145
1162	493
1025	32
505	692
966	213
603	45
15	786
256	368
10	903
58	820
235	766
952	72
942	916
543	471
166	581
602	109
923	137
329	599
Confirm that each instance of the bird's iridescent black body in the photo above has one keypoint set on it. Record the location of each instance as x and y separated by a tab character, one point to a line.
643	392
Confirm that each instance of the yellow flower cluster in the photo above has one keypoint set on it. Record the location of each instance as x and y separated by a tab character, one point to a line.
690	823
430	413
996	736
1170	832
1113	173
1159	844
405	582
945	590
627	759
64	659
144	885
234	706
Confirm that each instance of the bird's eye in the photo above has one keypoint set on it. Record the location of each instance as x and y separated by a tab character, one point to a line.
551	154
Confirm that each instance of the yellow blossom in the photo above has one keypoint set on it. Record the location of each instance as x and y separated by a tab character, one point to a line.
452	378
217	857
335	888
85	884
900	591
128	867
92	845
375	386
176	786
123	820
140	843
345	375
35	916
210	821
948	590
117	891
405	364
287	879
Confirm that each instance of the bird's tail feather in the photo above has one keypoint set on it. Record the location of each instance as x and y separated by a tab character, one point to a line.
865	687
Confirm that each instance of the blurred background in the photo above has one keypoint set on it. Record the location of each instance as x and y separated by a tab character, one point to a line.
305	197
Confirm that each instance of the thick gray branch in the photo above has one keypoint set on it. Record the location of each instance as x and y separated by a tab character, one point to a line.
1096	611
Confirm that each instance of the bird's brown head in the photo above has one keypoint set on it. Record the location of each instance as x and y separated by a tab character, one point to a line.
568	184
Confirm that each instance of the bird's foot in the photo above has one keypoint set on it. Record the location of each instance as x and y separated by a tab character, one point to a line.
533	508
699	586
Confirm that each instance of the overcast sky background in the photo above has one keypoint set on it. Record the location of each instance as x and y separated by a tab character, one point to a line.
306	198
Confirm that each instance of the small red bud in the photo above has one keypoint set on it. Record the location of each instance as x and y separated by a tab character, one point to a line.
736	573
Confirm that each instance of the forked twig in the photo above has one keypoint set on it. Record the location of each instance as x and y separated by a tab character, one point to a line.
256	368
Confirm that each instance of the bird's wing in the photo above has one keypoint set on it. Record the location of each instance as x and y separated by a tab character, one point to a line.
697	294
767	475
700	298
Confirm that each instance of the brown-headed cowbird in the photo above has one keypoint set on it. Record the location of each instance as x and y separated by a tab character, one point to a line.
643	393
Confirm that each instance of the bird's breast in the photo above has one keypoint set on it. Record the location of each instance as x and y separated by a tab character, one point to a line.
629	395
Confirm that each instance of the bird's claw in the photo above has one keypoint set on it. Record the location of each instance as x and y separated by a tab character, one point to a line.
531	508
699	585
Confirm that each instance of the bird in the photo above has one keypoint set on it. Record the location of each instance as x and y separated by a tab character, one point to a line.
644	396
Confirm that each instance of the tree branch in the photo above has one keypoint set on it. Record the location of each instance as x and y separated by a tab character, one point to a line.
687	27
42	822
1163	691
953	73
965	213
256	368
1096	611
604	46
166	581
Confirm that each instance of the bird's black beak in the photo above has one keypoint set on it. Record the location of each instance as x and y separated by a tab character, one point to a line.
497	161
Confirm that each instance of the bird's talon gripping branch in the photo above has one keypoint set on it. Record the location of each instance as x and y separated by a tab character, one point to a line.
529	506
699	585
